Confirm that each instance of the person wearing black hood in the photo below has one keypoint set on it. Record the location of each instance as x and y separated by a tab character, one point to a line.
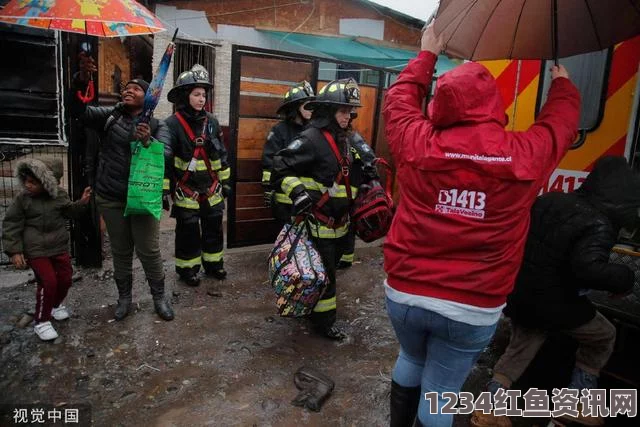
308	168
566	254
199	178
117	127
295	118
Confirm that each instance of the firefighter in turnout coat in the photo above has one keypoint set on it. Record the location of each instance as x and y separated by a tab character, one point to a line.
295	118
310	168
199	182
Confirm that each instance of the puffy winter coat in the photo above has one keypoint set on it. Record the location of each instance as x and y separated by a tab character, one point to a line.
309	164
36	226
466	184
116	128
568	248
179	151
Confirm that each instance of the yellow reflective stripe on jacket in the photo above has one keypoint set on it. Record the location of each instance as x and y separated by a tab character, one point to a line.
187	263
212	257
200	164
189	203
283	198
325	305
266	176
165	184
289	183
224	174
322	232
339	191
347	257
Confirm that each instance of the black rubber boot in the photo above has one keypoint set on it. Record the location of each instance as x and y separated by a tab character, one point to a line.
191	280
404	405
315	388
219	273
160	304
124	298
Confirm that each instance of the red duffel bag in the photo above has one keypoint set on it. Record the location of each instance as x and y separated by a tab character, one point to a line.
372	210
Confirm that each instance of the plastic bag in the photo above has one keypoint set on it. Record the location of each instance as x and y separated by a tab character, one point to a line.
144	195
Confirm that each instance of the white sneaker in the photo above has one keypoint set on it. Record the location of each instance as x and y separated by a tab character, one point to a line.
60	313
45	331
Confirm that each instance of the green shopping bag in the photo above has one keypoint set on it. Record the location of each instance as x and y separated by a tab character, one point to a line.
144	195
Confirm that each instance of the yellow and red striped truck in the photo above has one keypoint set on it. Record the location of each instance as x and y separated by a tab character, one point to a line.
610	88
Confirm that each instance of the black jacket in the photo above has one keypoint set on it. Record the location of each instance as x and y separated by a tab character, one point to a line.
180	149
309	164
279	137
568	248
116	128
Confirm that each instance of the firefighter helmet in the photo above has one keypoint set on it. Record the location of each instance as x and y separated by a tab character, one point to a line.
197	76
297	94
338	92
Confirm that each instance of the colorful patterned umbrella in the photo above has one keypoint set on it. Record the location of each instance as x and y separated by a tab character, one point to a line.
102	18
152	96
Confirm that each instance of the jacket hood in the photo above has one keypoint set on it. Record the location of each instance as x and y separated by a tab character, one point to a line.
615	190
466	94
48	172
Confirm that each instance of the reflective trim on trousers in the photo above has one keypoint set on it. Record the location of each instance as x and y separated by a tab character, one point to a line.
283	198
212	257
187	263
347	257
325	305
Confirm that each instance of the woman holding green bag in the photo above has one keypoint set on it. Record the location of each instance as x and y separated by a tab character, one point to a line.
118	127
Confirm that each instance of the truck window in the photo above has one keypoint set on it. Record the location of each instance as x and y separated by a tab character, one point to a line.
589	73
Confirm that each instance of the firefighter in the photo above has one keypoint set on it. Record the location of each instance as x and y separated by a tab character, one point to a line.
308	168
295	118
199	182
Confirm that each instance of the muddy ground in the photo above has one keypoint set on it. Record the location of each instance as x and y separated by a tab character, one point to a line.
225	360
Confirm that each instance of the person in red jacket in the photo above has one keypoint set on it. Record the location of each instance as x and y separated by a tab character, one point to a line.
457	237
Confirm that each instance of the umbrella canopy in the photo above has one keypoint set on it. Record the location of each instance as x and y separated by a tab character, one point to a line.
103	18
534	29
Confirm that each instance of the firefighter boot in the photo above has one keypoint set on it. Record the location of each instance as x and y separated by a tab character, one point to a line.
404	405
217	272
124	298
315	387
160	304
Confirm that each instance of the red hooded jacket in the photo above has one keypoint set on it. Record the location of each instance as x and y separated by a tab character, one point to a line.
466	184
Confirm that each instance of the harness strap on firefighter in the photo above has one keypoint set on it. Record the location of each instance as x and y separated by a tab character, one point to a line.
343	175
198	152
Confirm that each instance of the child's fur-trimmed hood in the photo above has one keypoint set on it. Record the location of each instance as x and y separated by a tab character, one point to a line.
48	172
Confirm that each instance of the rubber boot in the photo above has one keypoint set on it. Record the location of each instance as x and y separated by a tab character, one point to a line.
124	298
160	304
315	388
404	405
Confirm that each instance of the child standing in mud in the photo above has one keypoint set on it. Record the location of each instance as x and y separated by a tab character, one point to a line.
35	235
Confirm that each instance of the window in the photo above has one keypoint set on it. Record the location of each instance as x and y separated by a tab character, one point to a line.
588	72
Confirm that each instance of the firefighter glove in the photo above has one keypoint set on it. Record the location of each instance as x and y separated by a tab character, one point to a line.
302	204
166	205
226	191
267	198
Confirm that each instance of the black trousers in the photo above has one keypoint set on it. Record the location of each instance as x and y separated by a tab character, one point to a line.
331	250
199	239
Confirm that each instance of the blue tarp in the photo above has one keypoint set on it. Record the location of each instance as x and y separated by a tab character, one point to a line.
351	50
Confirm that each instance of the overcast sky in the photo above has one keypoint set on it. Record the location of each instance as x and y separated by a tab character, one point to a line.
420	9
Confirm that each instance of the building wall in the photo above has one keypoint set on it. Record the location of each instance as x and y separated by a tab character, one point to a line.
310	16
112	52
161	40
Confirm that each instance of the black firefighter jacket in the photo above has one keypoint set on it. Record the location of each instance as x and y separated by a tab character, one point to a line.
179	152
278	138
568	248
309	164
116	127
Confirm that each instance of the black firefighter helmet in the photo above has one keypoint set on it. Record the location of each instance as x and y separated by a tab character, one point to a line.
197	76
297	94
338	92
